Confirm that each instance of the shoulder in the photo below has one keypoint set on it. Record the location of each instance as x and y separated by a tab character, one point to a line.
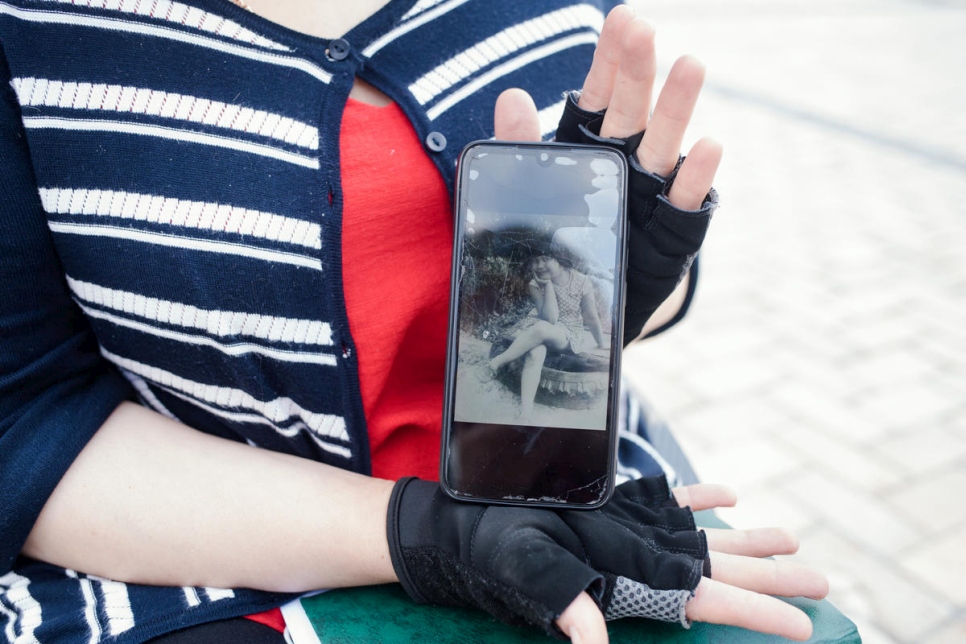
581	281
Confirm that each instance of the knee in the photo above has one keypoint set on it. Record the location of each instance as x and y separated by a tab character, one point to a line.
536	355
542	329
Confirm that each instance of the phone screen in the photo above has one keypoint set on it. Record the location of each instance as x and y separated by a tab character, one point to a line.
535	324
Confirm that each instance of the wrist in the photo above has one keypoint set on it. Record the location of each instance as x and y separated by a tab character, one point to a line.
381	568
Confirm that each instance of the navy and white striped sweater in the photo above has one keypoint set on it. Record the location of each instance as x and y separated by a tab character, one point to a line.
170	217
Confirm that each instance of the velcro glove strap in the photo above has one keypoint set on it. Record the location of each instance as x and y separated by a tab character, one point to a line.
662	239
526	565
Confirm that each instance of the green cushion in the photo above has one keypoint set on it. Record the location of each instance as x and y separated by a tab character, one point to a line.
385	614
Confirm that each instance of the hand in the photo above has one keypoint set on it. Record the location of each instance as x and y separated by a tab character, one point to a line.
621	80
741	580
527	565
668	210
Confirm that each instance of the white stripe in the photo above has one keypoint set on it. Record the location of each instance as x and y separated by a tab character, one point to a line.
182	14
237	417
419	7
140	100
297	623
508	67
90	606
122	127
217	594
549	118
10	618
404	29
144	391
198	215
117	605
625	473
191	596
502	45
234	350
276	410
25	615
185	243
638	441
212	321
114	24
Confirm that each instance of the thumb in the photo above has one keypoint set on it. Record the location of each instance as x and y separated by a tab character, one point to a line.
515	117
583	622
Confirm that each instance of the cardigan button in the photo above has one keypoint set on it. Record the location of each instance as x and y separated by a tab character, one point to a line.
338	50
435	141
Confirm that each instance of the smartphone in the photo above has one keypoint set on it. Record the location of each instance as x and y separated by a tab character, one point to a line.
535	326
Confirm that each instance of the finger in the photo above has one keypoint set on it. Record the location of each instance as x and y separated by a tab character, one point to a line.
771	576
599	83
696	175
515	117
719	603
704	496
583	622
630	102
661	145
761	542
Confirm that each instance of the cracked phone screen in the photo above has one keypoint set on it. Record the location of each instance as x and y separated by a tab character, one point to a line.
536	323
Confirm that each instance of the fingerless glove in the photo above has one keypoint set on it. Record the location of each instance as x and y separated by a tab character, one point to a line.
662	240
639	555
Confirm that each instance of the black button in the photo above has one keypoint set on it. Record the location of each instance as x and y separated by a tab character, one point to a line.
338	50
436	142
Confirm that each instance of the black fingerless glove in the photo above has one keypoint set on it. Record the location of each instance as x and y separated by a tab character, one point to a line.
639	555
662	240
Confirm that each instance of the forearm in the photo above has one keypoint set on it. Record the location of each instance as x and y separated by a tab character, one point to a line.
152	501
550	311
598	332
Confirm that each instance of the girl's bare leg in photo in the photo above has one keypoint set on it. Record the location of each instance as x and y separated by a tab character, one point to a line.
530	379
541	333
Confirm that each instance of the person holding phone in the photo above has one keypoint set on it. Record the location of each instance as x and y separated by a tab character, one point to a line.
209	380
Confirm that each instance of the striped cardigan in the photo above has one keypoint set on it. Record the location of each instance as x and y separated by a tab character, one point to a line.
170	217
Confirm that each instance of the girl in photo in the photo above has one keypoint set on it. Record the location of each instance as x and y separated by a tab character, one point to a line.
566	308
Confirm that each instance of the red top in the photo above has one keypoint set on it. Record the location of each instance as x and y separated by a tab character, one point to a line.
397	236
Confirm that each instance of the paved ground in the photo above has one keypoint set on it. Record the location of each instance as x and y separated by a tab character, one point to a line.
823	369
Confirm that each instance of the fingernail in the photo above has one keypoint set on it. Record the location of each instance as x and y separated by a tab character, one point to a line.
575	635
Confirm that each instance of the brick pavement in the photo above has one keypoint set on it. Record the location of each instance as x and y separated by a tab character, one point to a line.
822	371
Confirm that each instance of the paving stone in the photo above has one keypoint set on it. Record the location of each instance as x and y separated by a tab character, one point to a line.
831	412
910	405
726	379
871	634
880	594
953	633
748	466
863	518
925	450
889	364
935	502
808	373
859	468
765	506
850	597
737	421
940	564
